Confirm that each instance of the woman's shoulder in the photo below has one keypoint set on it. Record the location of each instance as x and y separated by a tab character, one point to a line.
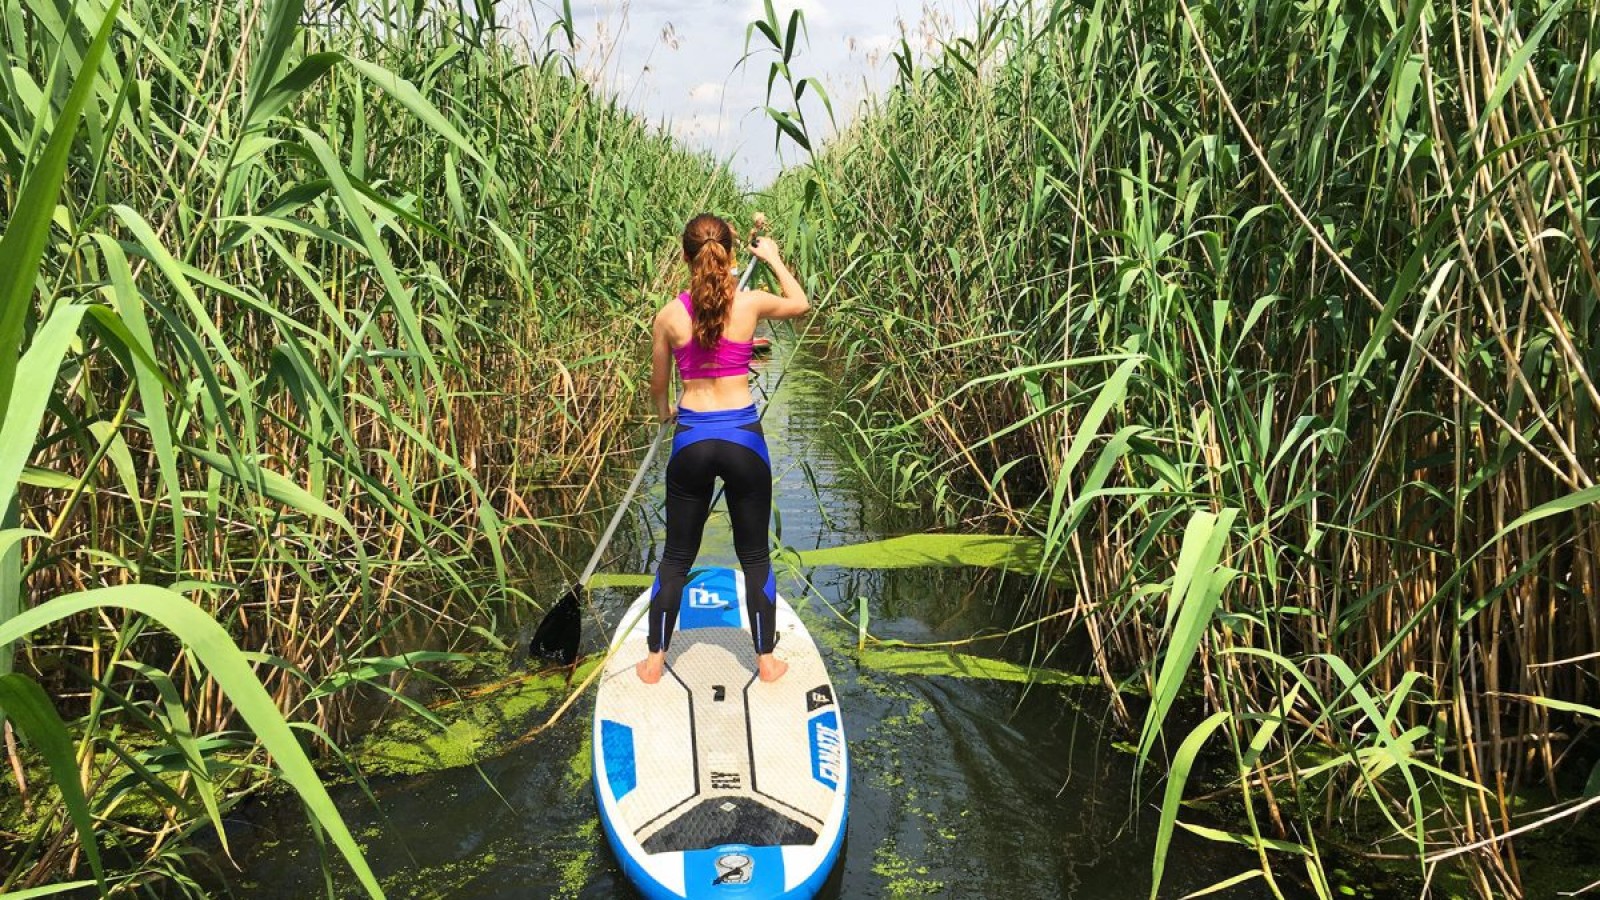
755	299
678	304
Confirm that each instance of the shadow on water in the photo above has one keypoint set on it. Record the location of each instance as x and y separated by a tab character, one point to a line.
961	787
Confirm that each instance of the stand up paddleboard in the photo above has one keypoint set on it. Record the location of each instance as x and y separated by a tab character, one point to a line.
713	783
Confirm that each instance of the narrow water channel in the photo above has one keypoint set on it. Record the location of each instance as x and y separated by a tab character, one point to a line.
961	788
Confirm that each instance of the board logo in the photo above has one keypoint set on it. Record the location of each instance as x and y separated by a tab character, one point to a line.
734	868
818	697
700	598
827	749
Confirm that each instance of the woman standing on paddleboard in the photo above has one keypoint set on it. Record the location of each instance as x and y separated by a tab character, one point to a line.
709	331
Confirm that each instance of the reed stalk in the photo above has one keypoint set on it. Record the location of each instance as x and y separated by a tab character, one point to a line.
313	316
1276	322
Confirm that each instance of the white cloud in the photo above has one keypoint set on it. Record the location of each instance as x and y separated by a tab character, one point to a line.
706	93
873	48
702	127
875	42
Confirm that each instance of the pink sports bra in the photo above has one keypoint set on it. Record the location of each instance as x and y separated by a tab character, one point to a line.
727	358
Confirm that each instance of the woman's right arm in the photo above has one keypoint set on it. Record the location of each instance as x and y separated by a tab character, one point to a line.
794	301
661	369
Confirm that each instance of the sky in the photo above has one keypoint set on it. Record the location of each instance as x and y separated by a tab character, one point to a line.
676	62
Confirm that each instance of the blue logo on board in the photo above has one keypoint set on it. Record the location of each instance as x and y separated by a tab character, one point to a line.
710	600
827	749
700	598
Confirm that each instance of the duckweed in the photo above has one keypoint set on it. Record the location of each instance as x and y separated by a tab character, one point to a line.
476	726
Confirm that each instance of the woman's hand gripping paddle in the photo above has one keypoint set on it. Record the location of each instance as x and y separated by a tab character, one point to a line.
561	630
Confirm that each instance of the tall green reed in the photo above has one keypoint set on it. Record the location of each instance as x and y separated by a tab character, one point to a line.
317	314
1277	322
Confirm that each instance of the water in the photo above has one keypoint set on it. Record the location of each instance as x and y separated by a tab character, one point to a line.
960	788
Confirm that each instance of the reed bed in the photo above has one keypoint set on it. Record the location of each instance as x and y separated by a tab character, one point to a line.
315	320
1276	322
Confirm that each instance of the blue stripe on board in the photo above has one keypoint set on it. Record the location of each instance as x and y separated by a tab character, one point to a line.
710	600
616	743
631	868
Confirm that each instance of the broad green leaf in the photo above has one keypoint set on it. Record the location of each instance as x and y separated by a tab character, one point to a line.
32	388
1519	60
180	731
213	647
1197	588
281	26
278	487
1172	799
1574	500
22	245
27	706
409	97
400	295
129	305
788	126
1222	885
284	91
1562	705
1254	842
116	450
47	890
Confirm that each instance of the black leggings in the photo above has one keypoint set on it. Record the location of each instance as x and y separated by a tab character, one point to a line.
691	478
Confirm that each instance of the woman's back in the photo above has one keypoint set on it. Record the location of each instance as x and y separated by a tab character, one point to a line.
728	384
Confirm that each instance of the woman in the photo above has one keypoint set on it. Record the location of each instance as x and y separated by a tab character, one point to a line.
709	330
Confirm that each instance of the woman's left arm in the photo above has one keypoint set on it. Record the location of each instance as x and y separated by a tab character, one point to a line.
661	370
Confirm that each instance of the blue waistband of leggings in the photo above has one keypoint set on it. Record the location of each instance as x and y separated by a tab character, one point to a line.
733	418
722	425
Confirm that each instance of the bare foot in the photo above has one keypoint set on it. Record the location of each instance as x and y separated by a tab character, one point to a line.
770	668
650	667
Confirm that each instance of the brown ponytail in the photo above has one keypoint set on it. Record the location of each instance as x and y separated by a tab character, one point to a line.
708	249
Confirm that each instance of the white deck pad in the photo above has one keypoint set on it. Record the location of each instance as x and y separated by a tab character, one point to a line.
713	783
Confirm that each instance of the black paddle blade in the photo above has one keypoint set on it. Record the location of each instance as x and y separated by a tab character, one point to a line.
557	636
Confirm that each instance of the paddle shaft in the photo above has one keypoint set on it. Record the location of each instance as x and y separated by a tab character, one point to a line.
638	477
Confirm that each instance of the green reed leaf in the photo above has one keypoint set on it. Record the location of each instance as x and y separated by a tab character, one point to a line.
1172	799
27	706
22	245
228	666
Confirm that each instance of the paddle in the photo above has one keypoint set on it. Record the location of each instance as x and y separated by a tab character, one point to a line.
558	634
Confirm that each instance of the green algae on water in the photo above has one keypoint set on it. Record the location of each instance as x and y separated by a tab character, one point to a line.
580	767
449	879
476	726
1013	553
963	665
903	877
620	580
577	864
